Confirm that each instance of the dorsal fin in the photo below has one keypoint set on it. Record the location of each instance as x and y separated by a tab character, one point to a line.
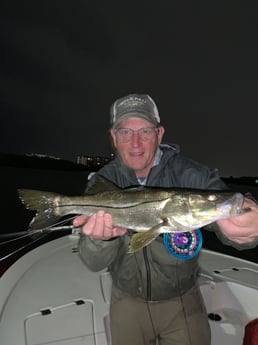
101	184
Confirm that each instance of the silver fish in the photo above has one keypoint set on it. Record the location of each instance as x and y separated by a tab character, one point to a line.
149	211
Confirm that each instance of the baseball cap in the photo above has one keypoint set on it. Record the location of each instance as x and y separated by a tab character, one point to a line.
134	105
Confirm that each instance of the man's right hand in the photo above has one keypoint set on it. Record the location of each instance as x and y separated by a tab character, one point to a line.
98	226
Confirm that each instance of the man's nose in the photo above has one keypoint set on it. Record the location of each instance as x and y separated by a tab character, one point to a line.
135	138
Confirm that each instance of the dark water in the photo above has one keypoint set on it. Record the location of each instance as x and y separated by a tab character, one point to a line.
15	218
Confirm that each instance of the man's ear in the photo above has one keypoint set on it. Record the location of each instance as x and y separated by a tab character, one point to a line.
112	136
161	133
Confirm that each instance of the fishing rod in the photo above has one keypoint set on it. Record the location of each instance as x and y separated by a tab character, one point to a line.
21	234
43	232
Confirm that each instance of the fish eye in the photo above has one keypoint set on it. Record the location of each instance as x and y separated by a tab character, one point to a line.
212	197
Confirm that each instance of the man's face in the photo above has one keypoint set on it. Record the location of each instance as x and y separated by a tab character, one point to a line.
137	149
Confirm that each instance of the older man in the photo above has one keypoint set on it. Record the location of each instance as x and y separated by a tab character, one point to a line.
154	295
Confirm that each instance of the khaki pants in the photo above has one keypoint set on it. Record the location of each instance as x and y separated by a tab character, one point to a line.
178	321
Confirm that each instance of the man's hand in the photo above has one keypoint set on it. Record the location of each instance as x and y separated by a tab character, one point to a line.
99	226
243	228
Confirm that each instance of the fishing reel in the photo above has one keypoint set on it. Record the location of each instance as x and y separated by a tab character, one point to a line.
183	245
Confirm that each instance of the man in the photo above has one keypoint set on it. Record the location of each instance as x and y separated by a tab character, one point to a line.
154	295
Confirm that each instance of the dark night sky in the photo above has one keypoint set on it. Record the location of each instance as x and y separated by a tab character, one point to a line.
64	62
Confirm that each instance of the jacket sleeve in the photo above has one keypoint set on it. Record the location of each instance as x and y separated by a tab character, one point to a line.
98	254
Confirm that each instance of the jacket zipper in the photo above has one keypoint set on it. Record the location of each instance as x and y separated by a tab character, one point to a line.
148	273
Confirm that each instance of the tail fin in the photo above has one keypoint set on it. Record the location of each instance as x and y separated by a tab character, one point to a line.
44	205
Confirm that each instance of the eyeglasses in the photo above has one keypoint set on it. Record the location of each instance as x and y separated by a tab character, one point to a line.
124	135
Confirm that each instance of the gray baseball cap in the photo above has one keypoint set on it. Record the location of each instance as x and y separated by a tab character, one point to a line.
134	105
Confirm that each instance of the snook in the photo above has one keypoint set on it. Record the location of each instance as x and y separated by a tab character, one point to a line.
149	211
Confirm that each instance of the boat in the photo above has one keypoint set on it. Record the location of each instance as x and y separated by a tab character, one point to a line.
48	296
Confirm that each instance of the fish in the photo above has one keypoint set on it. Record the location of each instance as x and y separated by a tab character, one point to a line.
149	211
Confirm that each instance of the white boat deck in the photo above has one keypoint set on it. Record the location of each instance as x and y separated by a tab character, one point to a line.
49	297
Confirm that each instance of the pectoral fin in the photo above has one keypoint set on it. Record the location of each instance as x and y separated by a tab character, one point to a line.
143	238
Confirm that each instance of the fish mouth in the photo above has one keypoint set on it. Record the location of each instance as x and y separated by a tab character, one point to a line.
239	204
232	206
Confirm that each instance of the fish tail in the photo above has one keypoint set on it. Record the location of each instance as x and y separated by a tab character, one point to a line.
142	239
44	205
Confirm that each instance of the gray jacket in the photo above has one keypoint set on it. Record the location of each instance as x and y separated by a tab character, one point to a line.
151	273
